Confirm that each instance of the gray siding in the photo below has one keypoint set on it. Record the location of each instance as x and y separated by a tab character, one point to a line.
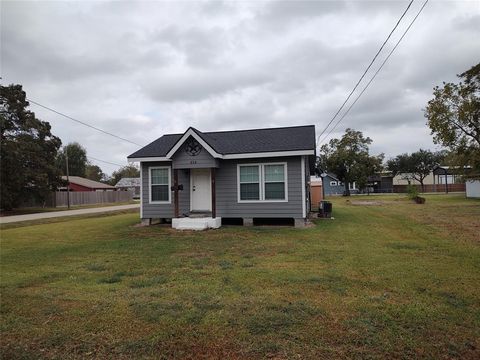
165	210
182	160
332	189
227	195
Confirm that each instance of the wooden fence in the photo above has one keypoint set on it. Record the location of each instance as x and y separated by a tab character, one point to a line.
431	188
91	197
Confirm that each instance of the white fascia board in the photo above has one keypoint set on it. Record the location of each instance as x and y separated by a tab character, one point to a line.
226	157
185	136
269	154
304	196
146	159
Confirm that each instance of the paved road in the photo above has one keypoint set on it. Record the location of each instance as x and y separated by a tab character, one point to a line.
54	214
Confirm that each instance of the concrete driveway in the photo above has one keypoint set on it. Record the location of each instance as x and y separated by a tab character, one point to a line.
54	214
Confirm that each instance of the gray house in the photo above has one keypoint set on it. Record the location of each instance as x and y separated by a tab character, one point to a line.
333	186
197	178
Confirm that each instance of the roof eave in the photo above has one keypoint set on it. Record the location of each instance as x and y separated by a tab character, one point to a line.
234	156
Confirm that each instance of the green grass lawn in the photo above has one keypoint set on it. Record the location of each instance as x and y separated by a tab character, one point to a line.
386	280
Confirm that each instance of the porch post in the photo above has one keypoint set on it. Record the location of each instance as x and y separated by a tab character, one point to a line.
446	182
214	196
175	192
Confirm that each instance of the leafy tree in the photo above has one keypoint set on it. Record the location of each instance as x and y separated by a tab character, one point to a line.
129	171
94	172
28	150
415	166
349	159
77	160
453	117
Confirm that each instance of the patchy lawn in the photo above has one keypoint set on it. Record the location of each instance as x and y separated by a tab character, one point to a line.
389	280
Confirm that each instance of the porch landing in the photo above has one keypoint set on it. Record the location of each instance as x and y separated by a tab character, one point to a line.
196	223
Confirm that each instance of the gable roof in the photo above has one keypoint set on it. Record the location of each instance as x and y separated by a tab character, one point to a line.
332	176
295	138
87	182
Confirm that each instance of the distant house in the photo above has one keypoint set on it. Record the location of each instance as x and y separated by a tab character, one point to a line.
78	183
333	186
440	175
197	178
132	184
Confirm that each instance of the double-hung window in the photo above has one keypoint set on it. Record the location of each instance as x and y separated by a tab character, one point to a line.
250	182
262	182
159	184
274	182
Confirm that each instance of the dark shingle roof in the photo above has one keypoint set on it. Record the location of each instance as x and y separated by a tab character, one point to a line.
240	141
158	147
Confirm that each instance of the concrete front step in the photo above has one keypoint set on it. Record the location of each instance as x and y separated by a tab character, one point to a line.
200	215
196	223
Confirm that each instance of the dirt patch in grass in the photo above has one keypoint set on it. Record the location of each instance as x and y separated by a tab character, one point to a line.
365	203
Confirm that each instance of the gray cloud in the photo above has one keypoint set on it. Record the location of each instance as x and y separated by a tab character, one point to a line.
281	14
199	85
142	69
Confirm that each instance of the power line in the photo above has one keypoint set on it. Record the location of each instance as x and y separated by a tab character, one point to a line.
107	162
81	122
88	156
376	73
365	72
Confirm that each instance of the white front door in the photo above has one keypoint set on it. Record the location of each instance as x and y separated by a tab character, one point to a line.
200	190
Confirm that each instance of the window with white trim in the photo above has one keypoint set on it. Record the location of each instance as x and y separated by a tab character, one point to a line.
262	182
160	184
333	183
274	184
250	182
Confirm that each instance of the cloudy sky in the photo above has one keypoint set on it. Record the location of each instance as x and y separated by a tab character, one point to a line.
143	69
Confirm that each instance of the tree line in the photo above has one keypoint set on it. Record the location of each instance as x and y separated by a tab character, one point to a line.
453	118
79	165
32	159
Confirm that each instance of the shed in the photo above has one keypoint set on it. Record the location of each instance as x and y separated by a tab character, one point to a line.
316	193
472	188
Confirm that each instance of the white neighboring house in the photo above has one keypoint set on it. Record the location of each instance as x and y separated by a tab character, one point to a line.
130	184
472	188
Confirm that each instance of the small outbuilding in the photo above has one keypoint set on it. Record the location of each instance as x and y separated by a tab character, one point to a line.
472	188
316	192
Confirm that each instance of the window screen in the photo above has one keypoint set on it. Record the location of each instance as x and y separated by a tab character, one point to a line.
160	184
250	182
274	182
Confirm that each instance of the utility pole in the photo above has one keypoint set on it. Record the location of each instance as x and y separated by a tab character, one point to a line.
68	181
